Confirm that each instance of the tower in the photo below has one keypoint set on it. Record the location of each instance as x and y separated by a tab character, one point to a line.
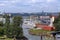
51	21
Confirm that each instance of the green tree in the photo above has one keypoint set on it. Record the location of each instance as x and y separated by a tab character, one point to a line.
57	23
1	28
1	23
1	31
7	24
14	28
17	24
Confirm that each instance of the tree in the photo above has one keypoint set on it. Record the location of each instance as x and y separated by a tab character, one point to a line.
57	23
7	24
1	23
1	29
17	24
13	29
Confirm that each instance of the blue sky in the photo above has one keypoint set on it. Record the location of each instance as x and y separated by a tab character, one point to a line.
29	5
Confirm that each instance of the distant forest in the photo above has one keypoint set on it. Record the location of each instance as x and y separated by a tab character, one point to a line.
28	14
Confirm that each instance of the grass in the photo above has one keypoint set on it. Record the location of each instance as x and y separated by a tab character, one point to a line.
3	38
6	39
38	31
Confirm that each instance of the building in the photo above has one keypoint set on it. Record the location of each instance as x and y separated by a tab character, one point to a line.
46	26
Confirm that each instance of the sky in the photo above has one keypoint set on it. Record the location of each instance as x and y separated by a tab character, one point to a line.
29	5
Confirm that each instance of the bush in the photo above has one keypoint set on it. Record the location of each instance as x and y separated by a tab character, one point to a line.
1	31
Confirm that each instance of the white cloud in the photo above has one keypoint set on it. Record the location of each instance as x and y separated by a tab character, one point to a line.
51	0
4	1
31	5
10	1
15	1
34	1
2	4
